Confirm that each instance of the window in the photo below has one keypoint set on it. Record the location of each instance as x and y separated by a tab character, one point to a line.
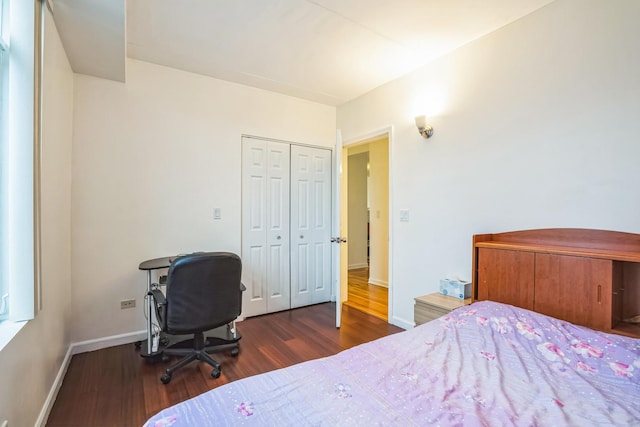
19	161
4	92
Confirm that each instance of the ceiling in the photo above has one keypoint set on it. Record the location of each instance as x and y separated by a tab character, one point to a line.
327	51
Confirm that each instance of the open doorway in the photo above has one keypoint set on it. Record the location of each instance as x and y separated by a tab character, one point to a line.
367	209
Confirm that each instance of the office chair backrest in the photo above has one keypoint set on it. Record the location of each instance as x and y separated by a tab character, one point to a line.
203	292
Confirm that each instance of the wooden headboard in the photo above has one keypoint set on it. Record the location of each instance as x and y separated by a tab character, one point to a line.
587	277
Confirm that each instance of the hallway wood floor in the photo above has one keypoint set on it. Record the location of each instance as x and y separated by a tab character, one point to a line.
117	387
371	299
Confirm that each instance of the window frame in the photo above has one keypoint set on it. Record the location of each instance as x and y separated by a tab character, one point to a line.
4	19
20	156
4	132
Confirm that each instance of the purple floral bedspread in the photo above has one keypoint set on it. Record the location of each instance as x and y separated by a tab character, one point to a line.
487	364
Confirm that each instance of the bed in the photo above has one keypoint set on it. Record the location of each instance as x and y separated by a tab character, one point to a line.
485	364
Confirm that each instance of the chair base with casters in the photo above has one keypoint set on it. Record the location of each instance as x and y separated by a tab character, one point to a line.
199	348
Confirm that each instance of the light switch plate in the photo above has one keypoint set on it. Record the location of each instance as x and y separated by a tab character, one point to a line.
404	215
217	213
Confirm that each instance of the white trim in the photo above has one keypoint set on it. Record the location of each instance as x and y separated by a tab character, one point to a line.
55	388
18	196
368	137
361	139
391	229
336	226
402	323
359	265
77	348
112	341
377	282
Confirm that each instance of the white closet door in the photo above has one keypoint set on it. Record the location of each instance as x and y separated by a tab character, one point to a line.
265	226
310	225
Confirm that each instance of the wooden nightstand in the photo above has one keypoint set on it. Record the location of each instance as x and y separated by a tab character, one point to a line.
432	306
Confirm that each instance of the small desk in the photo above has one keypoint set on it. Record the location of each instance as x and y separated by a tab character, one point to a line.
156	263
149	266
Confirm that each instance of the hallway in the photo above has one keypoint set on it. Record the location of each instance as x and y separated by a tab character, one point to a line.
371	299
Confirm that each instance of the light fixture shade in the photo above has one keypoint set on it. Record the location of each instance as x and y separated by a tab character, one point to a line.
423	128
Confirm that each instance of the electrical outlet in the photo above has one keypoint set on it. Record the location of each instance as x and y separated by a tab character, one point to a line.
129	303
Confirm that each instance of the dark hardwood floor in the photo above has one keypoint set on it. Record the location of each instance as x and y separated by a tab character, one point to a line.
117	387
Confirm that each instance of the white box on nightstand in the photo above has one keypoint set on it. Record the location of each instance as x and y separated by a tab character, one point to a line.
455	288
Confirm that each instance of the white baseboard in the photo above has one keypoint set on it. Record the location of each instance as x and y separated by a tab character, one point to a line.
82	347
53	393
402	323
376	282
359	265
100	343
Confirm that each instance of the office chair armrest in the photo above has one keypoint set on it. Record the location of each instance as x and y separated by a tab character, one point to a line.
160	303
158	297
242	287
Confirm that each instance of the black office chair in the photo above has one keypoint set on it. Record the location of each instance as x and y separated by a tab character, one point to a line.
204	292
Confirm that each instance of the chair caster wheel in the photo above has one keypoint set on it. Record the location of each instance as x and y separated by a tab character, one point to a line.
138	345
215	373
165	378
235	351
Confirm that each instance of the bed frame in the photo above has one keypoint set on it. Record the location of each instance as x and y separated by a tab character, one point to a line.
587	277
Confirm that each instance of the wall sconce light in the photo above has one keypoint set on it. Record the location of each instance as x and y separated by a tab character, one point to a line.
423	128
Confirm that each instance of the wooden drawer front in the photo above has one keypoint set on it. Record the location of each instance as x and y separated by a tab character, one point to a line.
424	313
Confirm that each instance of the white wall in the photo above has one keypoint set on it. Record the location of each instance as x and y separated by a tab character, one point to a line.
536	125
30	362
358	210
152	158
379	215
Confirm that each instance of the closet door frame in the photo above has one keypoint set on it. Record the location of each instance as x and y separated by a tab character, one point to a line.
267	249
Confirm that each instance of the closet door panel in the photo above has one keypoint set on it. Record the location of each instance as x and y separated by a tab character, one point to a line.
278	282
254	227
265	226
322	228
310	225
300	279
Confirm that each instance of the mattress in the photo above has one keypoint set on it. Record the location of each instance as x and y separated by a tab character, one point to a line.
487	364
